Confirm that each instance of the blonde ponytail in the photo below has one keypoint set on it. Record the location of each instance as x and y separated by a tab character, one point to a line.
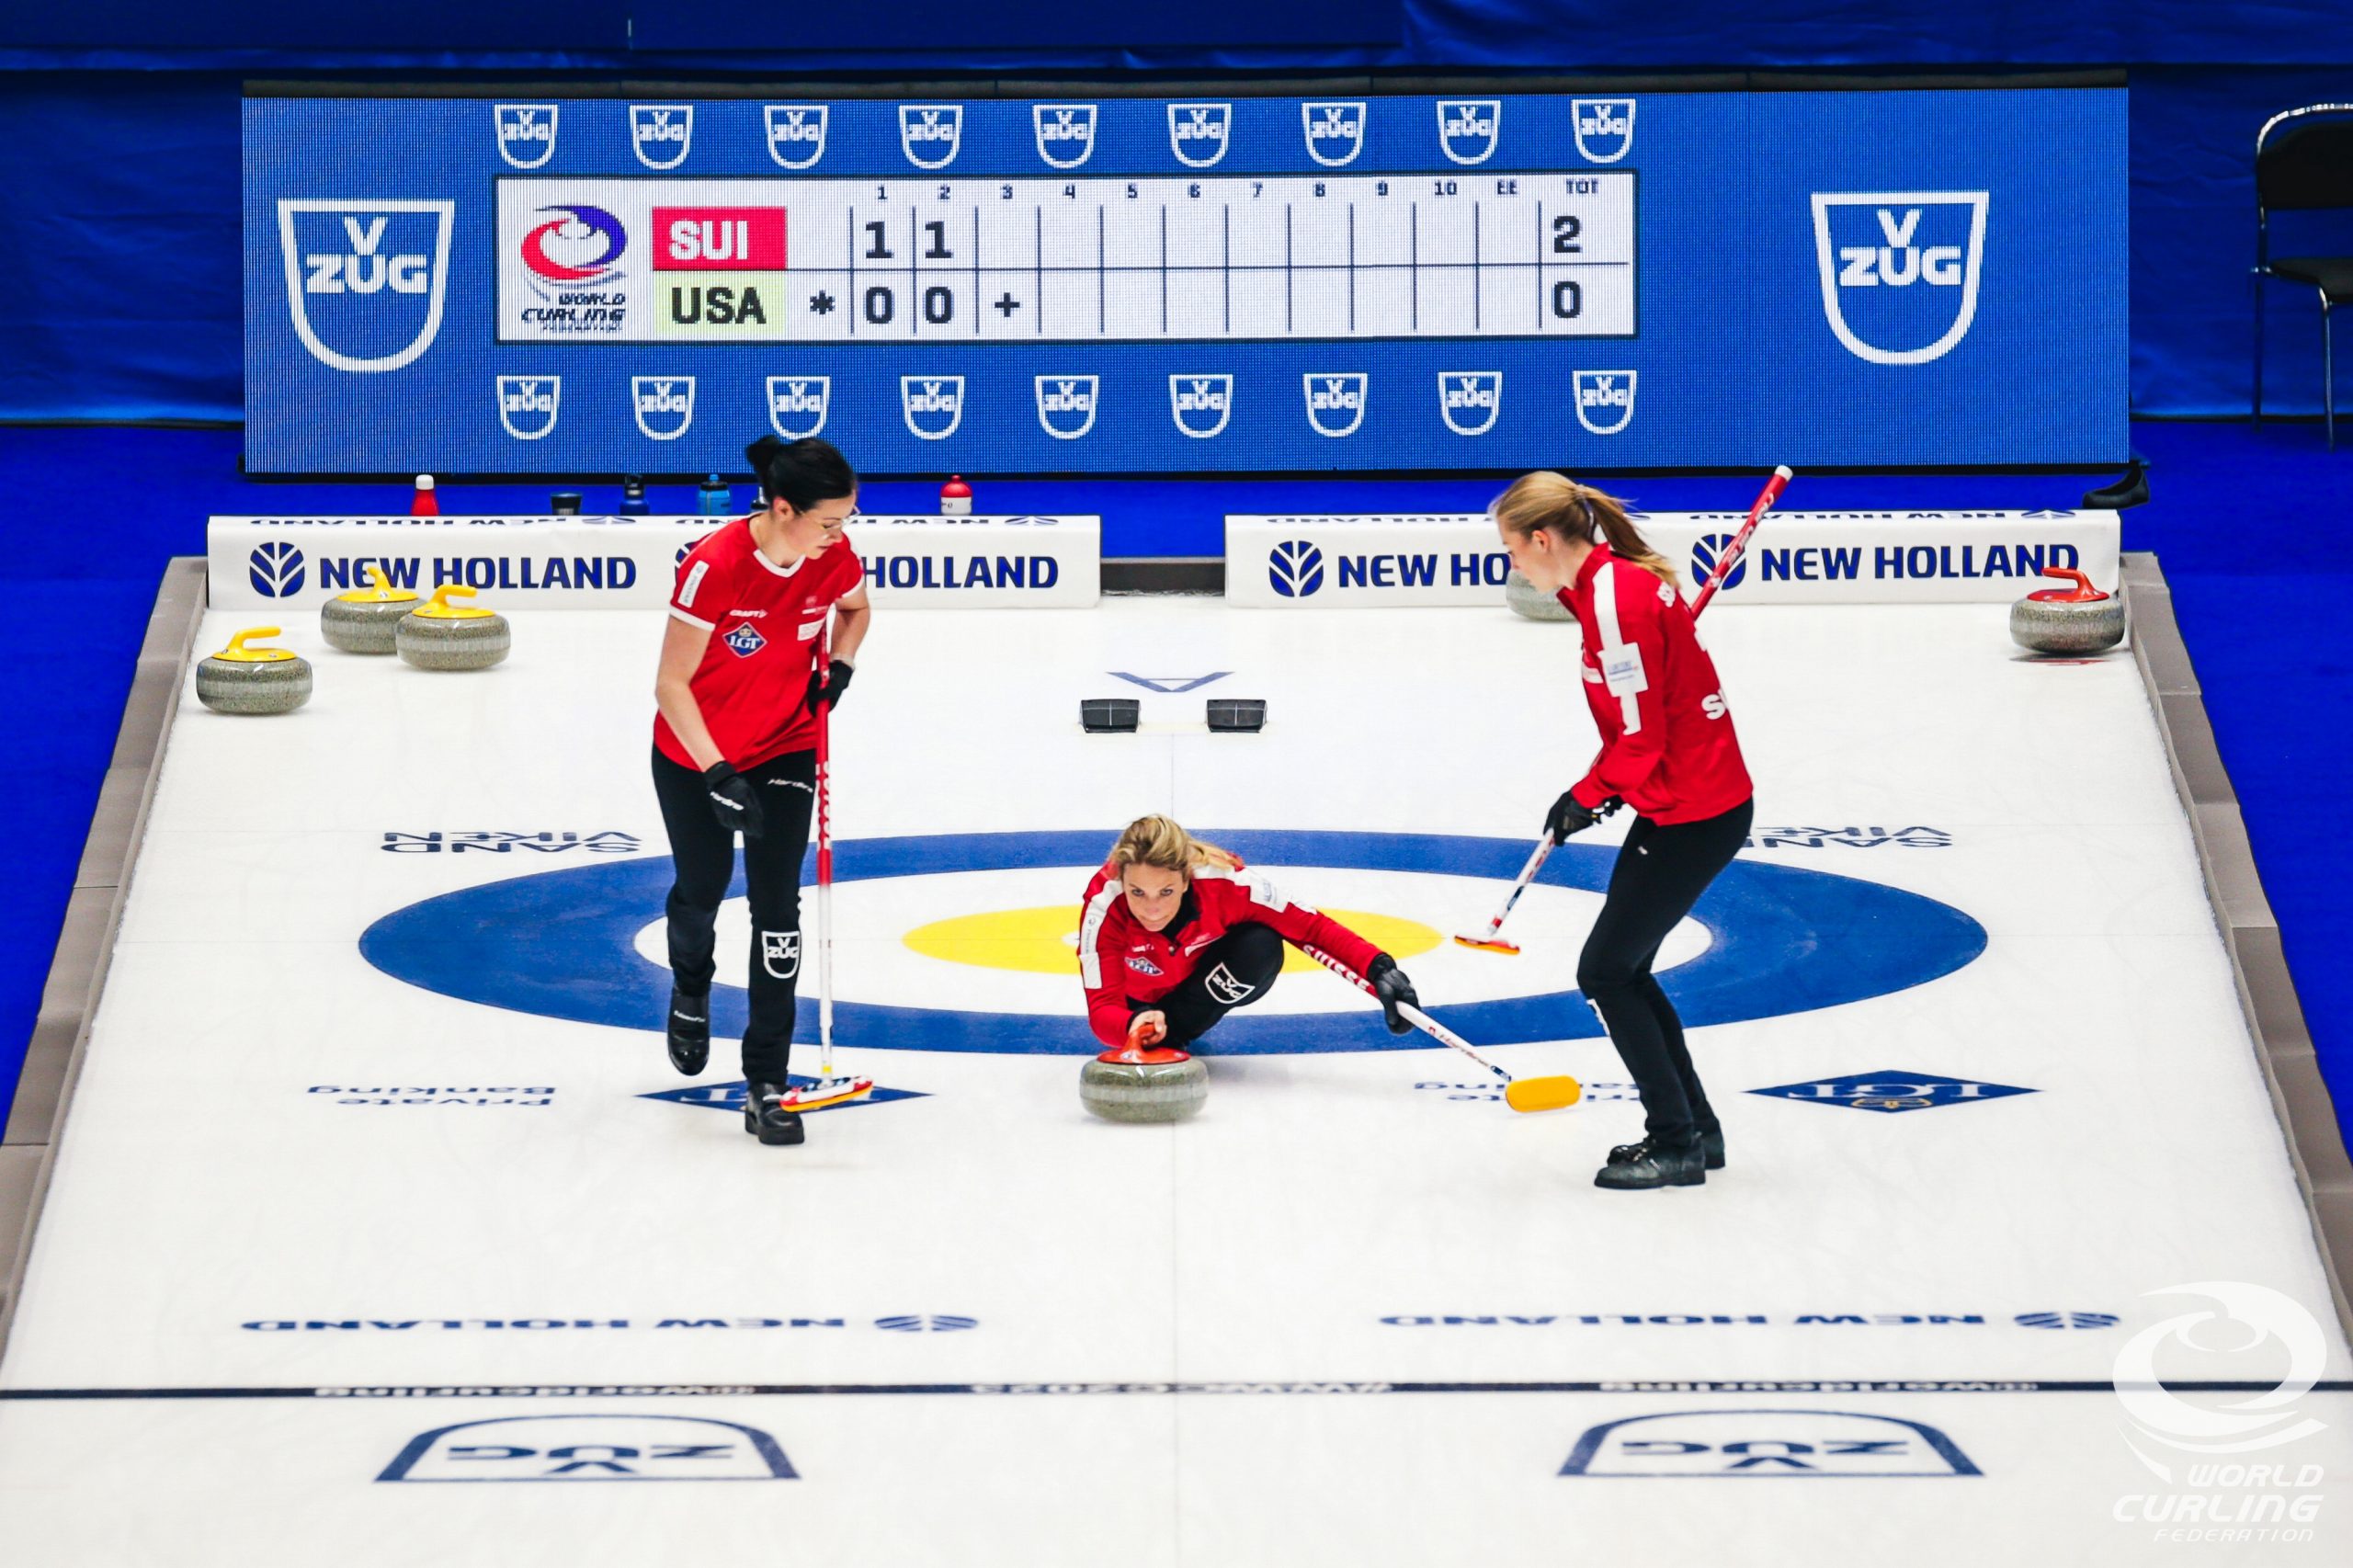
1158	842
1556	502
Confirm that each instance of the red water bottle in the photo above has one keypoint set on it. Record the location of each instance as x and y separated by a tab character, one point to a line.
955	497
424	504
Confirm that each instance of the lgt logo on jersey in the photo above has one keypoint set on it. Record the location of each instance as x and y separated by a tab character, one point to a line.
932	405
592	1447
1065	132
1605	400
1295	568
1469	401
1899	269
796	133
930	133
526	133
1200	405
797	404
664	405
1711	1443
1066	404
1467	129
1335	404
1335	132
1198	133
745	641
365	279
526	404
660	134
1605	128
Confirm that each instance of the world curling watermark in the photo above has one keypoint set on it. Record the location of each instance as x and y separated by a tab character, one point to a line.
2224	1494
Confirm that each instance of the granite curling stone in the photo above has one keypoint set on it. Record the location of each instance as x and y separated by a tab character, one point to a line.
2080	620
239	680
367	621
1526	598
443	636
1143	1085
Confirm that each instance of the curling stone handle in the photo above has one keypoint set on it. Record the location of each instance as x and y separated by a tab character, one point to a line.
441	594
237	640
378	581
2084	589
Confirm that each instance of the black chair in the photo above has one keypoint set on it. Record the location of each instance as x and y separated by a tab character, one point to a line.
2307	166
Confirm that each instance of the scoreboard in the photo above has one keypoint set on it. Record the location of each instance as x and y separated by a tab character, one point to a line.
1185	285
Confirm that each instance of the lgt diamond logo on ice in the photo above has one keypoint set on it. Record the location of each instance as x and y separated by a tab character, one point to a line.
276	570
1467	129
797	404
930	133
1899	270
528	404
1065	132
1705	550
2066	1320
1066	404
1198	133
661	133
1335	132
365	279
927	1322
1892	1091
745	641
592	1447
664	405
1605	400
1295	568
1469	401
1605	128
1335	404
526	133
932	405
730	1096
1200	405
796	134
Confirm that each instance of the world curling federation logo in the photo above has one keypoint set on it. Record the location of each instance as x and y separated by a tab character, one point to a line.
276	570
1200	405
365	280
1198	133
930	133
526	133
664	405
528	404
796	134
1899	270
1295	568
1605	400
932	405
797	404
1066	404
660	134
1065	132
1335	132
1469	401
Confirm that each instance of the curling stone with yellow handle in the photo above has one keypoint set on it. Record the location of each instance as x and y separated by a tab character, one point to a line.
241	679
443	636
367	621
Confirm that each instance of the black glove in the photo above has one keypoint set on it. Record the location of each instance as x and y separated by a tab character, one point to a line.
827	686
731	800
1390	985
1568	817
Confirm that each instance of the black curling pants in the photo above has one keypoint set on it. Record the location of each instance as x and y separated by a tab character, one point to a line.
704	854
1660	874
1232	971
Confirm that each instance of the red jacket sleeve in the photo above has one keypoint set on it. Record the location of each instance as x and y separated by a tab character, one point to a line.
1629	622
1098	967
1297	923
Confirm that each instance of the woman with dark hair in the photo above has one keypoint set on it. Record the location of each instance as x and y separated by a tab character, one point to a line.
1668	751
734	744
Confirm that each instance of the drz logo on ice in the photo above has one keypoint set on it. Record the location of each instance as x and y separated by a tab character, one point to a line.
1200	405
933	405
664	405
1605	400
1469	401
592	1447
1715	1444
526	133
661	133
365	279
526	404
1066	404
1899	270
797	404
1065	132
276	570
1335	132
1198	133
1295	568
1605	128
796	134
1335	404
1467	129
930	133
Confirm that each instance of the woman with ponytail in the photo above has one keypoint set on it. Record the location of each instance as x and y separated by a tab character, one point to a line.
734	744
1175	933
1668	751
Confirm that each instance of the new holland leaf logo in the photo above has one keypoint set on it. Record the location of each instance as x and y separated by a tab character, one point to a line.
1295	568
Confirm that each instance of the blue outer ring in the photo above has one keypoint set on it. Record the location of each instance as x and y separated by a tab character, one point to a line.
1783	940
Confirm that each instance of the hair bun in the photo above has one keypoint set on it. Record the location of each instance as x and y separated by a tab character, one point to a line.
759	453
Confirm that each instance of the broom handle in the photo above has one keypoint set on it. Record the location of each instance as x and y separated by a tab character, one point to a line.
825	856
1411	1014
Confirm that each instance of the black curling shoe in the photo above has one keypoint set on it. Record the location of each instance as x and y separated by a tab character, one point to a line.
1711	1145
1653	1166
765	1115
689	1031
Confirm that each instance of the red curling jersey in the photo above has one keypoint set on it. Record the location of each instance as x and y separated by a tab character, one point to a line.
1667	745
1120	962
764	621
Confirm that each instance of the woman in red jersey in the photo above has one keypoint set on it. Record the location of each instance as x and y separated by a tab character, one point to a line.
734	744
1174	934
1668	751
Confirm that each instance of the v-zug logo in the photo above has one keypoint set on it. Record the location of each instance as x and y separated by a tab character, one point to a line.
797	404
1066	404
1200	405
592	1447
1335	404
365	279
664	405
1605	400
1605	128
660	134
930	133
1198	133
1295	568
1335	132
526	404
1467	129
1899	270
1065	132
796	133
1469	401
932	405
276	570
1720	1444
526	133
1706	552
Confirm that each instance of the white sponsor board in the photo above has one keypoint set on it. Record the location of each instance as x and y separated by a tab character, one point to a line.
296	563
1808	558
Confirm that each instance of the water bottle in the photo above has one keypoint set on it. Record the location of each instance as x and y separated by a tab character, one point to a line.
632	497
711	498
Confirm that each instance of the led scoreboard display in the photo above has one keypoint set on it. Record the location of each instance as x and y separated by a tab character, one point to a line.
1140	285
